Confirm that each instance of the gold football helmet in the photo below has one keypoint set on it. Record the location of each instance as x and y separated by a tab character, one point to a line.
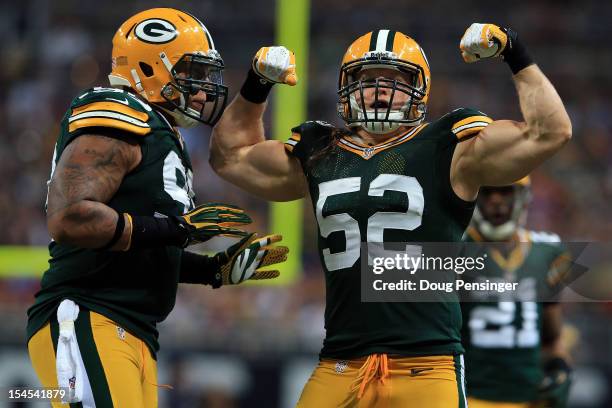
494	230
167	56
390	50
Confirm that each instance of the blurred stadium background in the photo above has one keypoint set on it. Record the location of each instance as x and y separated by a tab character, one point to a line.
255	346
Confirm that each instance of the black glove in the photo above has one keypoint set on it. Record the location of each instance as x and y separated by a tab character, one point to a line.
555	386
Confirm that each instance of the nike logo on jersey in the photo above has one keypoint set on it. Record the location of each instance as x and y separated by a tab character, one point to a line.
417	371
118	100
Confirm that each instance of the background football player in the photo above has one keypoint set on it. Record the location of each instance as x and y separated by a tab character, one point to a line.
514	353
388	177
120	210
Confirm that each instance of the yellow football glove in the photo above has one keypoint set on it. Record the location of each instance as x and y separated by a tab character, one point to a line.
482	41
211	219
276	64
243	260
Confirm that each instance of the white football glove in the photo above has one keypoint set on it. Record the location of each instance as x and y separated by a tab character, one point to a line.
482	41
242	260
276	64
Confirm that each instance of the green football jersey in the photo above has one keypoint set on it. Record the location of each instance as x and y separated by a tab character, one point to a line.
396	191
502	338
137	288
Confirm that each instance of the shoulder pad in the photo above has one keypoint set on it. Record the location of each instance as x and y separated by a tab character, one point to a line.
559	268
309	135
465	122
544	237
110	108
313	126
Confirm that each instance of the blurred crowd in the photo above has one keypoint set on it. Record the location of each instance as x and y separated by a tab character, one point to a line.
52	50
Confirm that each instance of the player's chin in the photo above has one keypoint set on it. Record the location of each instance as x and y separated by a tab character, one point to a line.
496	221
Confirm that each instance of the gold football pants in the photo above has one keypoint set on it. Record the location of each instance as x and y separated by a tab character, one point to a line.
120	368
386	382
478	403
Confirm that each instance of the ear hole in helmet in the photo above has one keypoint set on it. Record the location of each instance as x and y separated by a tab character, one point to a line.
146	69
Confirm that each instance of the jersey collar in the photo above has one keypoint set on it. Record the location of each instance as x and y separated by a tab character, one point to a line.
516	257
367	152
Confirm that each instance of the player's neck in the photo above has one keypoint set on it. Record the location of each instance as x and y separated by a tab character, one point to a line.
371	139
506	247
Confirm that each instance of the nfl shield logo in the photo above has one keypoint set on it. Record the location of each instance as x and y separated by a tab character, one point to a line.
121	333
341	366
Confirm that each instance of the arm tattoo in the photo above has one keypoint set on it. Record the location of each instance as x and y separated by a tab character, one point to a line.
88	174
90	168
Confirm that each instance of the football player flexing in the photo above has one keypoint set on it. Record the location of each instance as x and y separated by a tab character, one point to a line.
121	211
514	354
388	177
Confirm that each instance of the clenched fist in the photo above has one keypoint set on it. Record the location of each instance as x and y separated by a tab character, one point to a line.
276	65
483	41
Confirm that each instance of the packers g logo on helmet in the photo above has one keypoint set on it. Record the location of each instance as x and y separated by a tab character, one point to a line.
155	30
391	50
168	56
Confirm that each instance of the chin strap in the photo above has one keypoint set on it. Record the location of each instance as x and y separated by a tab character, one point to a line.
181	120
492	232
380	128
505	230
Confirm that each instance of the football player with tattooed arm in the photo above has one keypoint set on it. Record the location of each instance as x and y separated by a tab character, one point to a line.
388	176
514	350
121	213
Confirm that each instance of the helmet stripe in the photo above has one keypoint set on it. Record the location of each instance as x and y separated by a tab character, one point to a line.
208	37
390	39
424	56
373	36
381	40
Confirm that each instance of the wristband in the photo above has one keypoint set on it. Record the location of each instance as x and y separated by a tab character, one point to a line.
255	89
515	54
118	232
200	269
557	364
154	232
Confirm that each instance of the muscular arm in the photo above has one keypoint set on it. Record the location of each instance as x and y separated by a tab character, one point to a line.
86	177
506	151
240	154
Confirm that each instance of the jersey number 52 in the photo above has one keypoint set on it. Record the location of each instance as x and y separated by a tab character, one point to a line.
409	220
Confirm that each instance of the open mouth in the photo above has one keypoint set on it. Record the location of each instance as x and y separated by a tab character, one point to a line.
379	105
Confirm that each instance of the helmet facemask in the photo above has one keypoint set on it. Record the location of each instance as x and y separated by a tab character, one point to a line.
194	73
496	230
386	115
